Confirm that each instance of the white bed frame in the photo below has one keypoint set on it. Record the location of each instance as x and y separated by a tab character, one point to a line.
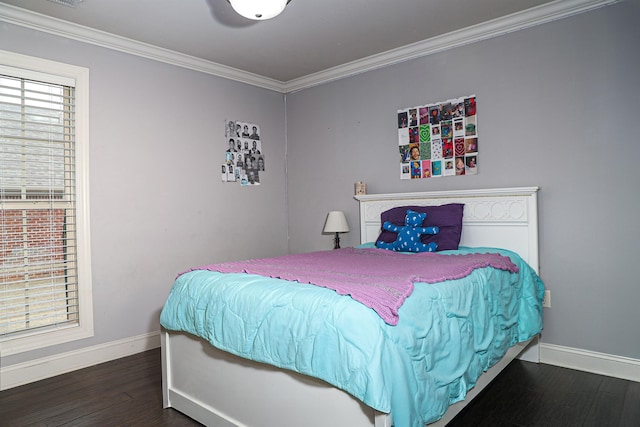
220	389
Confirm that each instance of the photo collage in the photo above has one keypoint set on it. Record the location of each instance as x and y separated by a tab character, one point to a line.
244	158
439	139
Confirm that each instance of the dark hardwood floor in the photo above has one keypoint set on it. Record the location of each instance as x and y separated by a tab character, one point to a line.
127	392
530	394
123	392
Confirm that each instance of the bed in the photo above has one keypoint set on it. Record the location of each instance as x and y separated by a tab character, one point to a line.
218	388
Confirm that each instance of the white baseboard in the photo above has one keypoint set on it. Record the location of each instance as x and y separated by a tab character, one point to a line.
35	370
39	369
590	361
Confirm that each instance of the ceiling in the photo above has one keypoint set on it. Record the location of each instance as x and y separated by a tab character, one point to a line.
311	41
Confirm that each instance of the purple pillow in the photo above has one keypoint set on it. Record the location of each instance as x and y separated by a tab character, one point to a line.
447	217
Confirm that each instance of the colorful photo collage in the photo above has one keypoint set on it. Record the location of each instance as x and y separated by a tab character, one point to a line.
244	158
439	139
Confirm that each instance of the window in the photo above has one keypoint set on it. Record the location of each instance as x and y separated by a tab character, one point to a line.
45	279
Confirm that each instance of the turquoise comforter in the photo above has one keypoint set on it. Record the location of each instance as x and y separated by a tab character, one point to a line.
449	333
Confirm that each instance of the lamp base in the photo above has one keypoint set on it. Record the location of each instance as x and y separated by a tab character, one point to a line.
336	241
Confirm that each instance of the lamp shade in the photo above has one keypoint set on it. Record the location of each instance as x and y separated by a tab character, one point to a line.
336	223
258	9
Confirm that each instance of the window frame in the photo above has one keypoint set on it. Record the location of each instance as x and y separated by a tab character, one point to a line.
55	72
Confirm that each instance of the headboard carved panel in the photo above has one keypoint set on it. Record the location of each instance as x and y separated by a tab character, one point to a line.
501	217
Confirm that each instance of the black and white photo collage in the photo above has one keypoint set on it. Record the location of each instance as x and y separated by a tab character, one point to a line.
244	158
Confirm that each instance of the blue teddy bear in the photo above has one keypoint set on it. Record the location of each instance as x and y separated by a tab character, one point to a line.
408	239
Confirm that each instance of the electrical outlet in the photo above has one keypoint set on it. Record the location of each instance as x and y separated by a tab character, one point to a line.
546	302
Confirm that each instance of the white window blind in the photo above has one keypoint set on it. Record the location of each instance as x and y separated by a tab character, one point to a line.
38	255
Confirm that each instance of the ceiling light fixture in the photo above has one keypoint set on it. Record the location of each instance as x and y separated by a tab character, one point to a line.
259	9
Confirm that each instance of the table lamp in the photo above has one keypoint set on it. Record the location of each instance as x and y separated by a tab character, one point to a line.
336	223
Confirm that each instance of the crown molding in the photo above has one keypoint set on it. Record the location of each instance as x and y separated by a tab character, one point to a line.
58	27
555	10
552	11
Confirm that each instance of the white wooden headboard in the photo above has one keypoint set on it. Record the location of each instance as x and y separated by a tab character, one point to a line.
500	218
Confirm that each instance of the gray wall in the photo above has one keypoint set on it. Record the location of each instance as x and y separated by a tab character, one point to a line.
158	205
557	108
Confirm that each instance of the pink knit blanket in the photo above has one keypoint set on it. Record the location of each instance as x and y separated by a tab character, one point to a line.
379	279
